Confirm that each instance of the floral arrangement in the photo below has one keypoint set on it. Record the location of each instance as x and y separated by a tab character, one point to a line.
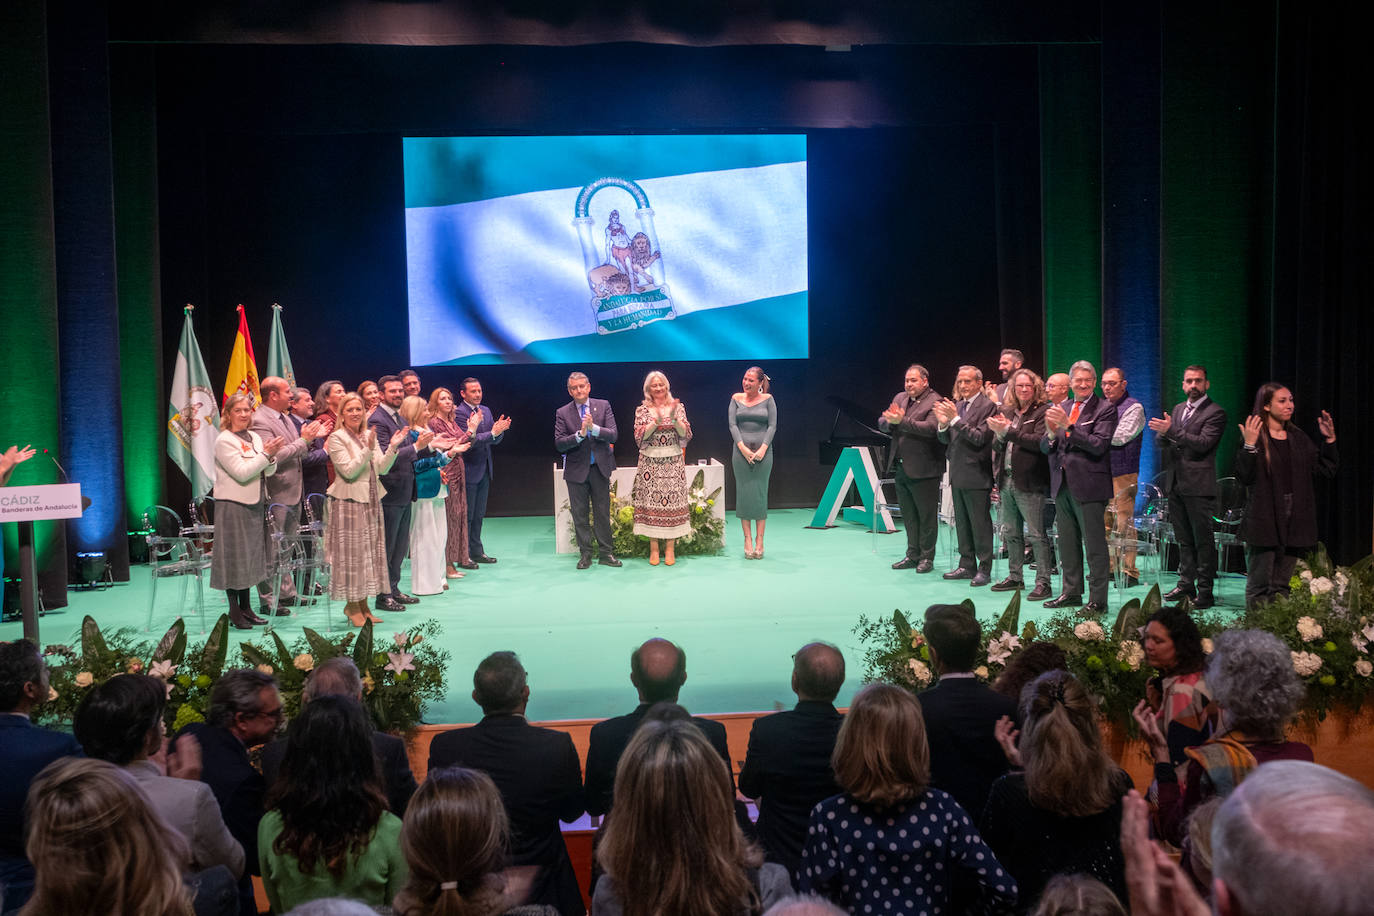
400	679
1327	620
706	537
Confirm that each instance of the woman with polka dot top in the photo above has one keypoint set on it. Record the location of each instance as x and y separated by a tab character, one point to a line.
890	843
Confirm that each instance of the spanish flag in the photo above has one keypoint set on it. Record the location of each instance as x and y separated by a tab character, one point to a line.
243	368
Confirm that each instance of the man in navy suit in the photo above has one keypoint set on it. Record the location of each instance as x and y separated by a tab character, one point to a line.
536	770
584	431
399	483
25	750
477	465
963	427
1188	439
1078	441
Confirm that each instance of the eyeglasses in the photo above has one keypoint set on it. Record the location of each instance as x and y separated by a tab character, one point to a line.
278	714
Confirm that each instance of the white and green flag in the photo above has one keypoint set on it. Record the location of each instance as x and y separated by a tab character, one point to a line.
278	360
193	415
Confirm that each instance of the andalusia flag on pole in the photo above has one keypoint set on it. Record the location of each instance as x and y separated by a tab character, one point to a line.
243	368
278	360
193	418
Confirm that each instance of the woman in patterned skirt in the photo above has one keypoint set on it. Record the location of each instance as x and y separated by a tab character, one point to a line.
448	430
354	540
660	490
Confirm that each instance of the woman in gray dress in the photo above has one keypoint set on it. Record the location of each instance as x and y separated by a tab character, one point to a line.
753	420
242	459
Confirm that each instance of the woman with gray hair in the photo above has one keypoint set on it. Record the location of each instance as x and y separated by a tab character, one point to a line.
1252	680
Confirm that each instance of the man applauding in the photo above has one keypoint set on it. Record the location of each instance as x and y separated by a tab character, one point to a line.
584	431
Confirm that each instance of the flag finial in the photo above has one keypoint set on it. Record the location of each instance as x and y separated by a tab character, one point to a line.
276	306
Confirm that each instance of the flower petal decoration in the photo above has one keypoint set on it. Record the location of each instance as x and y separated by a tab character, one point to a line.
400	661
400	639
163	669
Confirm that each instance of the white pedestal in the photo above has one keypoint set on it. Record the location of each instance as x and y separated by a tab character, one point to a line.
623	479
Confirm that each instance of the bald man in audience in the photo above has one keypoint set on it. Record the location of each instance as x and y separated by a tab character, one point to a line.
658	669
787	768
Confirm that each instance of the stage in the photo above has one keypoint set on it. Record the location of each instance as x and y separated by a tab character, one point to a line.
738	620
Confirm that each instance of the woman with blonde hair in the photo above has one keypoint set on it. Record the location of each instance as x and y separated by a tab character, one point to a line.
660	490
753	421
354	539
889	817
239	560
98	847
671	846
428	526
448	433
1062	812
456	840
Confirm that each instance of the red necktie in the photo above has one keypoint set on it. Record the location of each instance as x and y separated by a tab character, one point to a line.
1073	414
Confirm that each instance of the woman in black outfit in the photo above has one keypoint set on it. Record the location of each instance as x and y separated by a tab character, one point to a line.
1276	462
1062	812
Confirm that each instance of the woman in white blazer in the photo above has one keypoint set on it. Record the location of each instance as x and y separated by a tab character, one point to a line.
239	560
354	540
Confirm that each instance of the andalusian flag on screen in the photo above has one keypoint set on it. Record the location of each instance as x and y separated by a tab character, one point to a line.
278	360
600	249
193	418
243	368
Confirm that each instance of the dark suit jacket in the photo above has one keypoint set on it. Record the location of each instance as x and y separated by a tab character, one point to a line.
477	460
915	440
400	480
965	758
608	741
238	787
314	465
1082	458
787	769
1190	454
1260	526
577	455
540	779
969	444
397	776
1030	468
25	750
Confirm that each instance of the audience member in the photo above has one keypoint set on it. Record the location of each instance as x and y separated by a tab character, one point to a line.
536	770
787	768
25	749
120	722
1252	680
673	846
1027	664
327	831
456	840
100	849
658	669
338	677
959	714
1078	895
1062	813
1178	695
889	816
803	905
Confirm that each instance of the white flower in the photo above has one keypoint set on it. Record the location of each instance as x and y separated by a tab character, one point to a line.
401	640
919	670
1000	648
981	671
1309	629
163	669
1305	575
304	662
1090	631
1360	643
1364	667
1306	663
1342	580
1131	653
1206	646
1321	585
400	661
265	669
1368	632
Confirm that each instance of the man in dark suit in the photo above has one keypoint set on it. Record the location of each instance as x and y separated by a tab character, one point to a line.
1188	439
399	483
1079	443
960	713
917	464
338	677
536	770
315	462
245	711
25	750
787	768
584	431
477	465
658	669
963	428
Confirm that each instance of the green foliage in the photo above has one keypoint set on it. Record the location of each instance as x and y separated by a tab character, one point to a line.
708	532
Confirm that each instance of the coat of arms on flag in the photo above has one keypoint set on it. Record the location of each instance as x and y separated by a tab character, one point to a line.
624	271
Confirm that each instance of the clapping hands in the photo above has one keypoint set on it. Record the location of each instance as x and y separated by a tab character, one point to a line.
500	426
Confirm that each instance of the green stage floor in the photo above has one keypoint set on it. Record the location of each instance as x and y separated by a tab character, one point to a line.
739	620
